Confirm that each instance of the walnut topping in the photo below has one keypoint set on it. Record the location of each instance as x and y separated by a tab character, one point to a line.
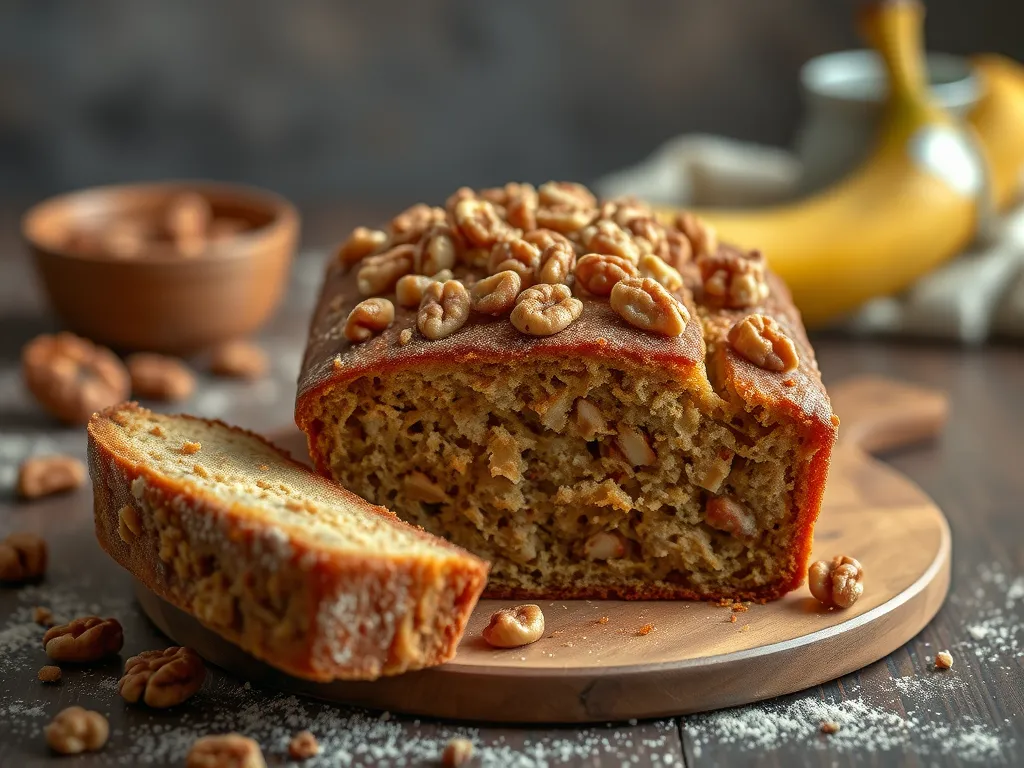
75	730
368	318
943	660
444	309
479	222
761	340
49	674
159	377
609	238
727	514
648	234
655	267
162	678
517	255
72	378
732	278
409	288
129	523
513	627
410	224
435	252
239	360
378	274
521	206
84	639
567	193
303	746
564	218
634	446
360	244
836	584
45	475
229	750
675	249
457	752
405	337
545	238
604	545
644	303
22	558
545	310
702	236
597	273
556	265
495	295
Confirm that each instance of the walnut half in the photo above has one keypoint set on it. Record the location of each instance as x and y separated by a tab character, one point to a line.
162	678
88	638
75	730
836	584
22	558
228	750
513	627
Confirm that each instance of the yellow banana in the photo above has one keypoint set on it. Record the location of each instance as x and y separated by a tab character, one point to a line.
998	120
910	207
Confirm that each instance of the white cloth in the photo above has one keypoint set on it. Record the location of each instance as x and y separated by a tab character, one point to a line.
978	294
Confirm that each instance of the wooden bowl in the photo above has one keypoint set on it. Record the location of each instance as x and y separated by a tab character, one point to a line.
160	300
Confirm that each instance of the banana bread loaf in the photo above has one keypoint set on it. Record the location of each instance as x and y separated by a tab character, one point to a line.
598	402
296	571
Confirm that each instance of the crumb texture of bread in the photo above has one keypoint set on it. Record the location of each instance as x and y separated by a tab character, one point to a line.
298	572
655	427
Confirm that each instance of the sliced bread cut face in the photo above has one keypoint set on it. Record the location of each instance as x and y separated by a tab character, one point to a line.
292	568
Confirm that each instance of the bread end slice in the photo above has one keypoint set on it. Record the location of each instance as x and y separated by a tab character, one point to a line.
290	567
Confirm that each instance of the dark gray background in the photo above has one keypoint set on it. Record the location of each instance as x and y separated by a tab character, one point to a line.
378	100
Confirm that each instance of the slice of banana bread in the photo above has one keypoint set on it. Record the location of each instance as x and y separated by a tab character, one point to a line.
296	571
600	403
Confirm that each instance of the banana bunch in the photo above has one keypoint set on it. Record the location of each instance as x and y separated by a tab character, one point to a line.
914	203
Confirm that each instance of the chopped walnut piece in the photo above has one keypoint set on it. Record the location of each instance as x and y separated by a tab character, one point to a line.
303	746
761	340
829	727
556	264
435	252
75	730
726	514
43	616
495	295
88	638
655	267
368	318
545	238
702	236
160	377
516	255
644	303
378	273
604	545
405	336
129	523
162	678
589	420
479	222
72	378
943	660
544	310
239	360
634	446
49	674
597	273
514	627
228	750
733	278
836	584
409	288
410	224
46	475
444	309
360	244
567	193
609	238
457	753
22	558
675	249
521	206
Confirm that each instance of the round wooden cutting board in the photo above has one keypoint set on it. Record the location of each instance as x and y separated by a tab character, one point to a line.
598	662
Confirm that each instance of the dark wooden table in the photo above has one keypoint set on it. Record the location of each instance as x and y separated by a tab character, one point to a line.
898	711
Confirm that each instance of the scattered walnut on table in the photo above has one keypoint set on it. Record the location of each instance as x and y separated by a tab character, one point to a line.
239	360
46	475
303	746
457	752
828	727
75	730
645	304
85	639
836	584
645	630
943	660
368	318
42	616
443	310
228	750
544	310
49	674
22	558
162	678
495	295
515	627
761	340
360	244
160	377
72	378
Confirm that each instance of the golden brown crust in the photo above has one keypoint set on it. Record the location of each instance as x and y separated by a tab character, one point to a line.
276	591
